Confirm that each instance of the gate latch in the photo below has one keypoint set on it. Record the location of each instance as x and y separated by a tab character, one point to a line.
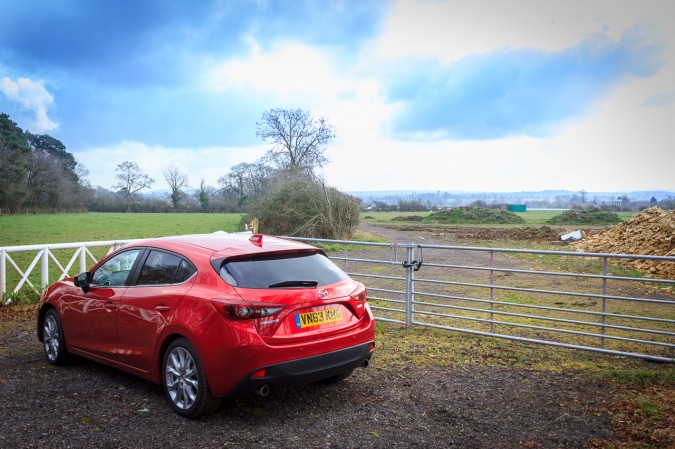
417	263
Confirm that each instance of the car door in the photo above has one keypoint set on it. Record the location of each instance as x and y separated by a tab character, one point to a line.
92	316
147	306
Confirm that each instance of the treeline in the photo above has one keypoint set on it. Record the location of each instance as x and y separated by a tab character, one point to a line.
37	173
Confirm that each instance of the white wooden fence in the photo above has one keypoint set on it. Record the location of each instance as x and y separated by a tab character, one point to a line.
44	257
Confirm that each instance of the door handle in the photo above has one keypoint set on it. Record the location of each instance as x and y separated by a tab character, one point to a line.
162	308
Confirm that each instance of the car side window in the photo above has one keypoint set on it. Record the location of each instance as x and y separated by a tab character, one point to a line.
115	271
184	272
164	268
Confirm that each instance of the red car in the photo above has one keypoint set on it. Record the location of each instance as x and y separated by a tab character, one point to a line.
212	315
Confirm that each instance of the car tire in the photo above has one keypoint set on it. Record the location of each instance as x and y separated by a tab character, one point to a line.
184	381
53	340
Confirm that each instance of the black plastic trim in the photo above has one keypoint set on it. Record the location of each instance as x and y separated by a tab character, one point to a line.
305	370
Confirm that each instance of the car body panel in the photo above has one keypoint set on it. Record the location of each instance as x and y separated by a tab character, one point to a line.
89	320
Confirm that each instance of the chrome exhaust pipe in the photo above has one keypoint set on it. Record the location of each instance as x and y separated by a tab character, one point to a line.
263	391
365	363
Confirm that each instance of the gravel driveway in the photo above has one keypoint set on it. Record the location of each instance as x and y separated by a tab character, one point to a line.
85	405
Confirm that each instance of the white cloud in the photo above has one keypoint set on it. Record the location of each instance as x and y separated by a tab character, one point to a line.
620	145
451	30
287	70
209	163
293	74
31	96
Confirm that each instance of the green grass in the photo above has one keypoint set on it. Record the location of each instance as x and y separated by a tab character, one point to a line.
387	217
537	216
359	237
35	229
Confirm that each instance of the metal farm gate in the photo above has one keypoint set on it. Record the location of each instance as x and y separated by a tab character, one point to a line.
588	301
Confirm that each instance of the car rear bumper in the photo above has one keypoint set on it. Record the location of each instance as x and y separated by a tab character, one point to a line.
308	369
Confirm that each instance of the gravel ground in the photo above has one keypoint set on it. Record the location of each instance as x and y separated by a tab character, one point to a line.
85	405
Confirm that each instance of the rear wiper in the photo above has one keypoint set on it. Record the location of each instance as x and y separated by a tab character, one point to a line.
294	284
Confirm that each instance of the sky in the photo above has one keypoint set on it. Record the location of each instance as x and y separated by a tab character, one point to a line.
521	95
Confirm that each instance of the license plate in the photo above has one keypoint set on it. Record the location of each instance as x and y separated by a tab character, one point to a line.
309	319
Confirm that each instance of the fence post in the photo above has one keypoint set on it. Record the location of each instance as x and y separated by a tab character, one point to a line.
492	292
45	267
83	259
409	286
604	300
3	273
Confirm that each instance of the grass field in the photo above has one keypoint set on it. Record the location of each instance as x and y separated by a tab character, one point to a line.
385	217
17	230
34	229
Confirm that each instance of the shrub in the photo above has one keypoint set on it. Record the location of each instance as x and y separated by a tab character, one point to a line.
307	207
585	217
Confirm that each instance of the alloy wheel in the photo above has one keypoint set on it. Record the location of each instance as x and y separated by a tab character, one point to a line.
51	337
181	378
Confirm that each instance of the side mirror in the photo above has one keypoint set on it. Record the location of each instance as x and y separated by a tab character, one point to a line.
82	280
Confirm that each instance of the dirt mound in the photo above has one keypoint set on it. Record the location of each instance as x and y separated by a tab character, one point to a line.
473	215
585	217
648	233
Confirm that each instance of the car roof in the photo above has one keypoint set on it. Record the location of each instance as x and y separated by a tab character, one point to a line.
224	245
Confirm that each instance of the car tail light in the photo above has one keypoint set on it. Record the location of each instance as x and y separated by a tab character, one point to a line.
244	310
360	295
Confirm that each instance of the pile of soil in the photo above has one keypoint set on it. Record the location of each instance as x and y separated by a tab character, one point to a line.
474	215
585	217
648	233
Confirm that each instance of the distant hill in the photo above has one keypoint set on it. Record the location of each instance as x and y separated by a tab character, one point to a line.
534	198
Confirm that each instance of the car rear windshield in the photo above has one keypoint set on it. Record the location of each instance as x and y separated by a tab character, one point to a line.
282	271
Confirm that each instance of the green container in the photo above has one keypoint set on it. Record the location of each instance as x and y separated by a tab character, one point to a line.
518	207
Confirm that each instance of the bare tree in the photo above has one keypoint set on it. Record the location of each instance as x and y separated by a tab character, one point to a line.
131	180
298	140
177	181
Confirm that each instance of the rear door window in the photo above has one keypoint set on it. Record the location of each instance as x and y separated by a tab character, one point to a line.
162	267
282	271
